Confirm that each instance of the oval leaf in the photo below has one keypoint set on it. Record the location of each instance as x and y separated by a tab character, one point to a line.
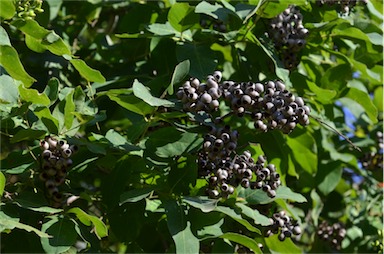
9	59
140	91
87	72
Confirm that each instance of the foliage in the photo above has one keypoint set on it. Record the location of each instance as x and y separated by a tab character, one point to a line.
103	76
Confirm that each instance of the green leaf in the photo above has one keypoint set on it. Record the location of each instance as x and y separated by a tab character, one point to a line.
322	95
331	178
140	91
283	192
209	9
8	9
7	222
4	38
132	103
237	217
180	228
9	93
182	17
345	30
304	151
243	240
317	207
255	197
48	39
203	203
52	89
201	57
32	95
46	117
180	72
212	230
254	214
377	98
335	78
87	72
364	100
162	29
119	141
27	134
101	229
2	183
9	59
64	234
35	202
34	44
69	109
280	71
277	246
135	195
169	142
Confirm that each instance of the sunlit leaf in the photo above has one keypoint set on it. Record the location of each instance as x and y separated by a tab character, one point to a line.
260	197
69	109
140	91
99	226
10	60
63	234
331	176
87	72
48	39
180	72
32	95
48	119
254	214
2	183
201	57
135	195
277	246
364	100
9	92
132	103
7	8
180	228
237	217
7	222
181	16
243	240
204	204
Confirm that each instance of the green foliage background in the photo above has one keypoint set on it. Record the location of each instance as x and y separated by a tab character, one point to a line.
102	75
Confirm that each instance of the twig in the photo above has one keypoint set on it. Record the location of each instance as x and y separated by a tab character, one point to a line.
337	132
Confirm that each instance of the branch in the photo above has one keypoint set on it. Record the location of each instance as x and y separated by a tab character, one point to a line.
337	132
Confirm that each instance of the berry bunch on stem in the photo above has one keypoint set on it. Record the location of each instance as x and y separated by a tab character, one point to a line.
283	225
288	35
55	163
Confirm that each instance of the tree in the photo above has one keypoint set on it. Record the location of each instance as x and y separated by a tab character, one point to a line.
187	126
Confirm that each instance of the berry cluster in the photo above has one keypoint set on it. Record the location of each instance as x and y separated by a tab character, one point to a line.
197	96
269	104
288	34
55	161
345	5
217	24
27	9
226	170
283	225
374	160
334	234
